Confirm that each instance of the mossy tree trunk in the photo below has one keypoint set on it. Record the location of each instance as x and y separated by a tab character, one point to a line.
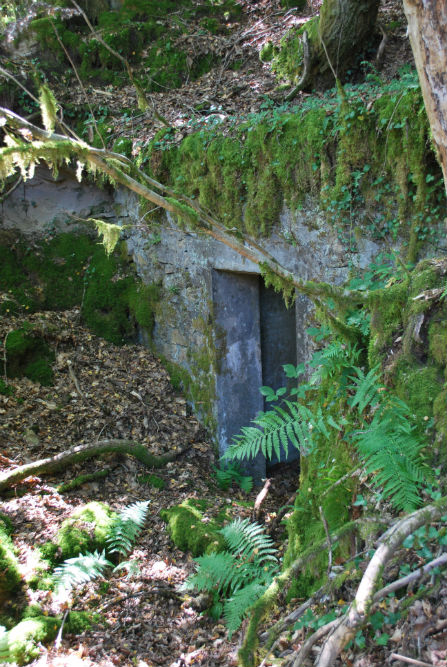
336	39
427	23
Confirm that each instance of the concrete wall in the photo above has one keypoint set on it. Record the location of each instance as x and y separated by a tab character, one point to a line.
213	304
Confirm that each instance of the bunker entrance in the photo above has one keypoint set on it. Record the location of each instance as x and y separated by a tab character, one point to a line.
256	336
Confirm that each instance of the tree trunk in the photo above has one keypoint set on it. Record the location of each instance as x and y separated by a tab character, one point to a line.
344	28
427	28
335	40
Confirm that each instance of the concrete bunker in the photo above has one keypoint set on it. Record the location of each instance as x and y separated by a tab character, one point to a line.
255	337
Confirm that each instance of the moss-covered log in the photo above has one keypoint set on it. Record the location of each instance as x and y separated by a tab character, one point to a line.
81	453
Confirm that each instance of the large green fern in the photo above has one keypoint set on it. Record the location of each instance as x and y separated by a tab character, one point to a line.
379	427
240	574
390	450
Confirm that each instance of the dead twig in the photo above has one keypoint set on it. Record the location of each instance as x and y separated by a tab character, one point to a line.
260	499
328	538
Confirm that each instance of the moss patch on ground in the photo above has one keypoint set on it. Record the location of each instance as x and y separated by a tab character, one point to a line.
86	530
147	33
191	531
22	643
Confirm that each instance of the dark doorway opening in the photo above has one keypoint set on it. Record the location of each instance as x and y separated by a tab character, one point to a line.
255	337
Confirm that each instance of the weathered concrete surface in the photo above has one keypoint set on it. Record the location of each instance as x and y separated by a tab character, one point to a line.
237	318
44	205
191	327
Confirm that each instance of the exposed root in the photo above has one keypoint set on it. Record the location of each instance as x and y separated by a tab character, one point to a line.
83	452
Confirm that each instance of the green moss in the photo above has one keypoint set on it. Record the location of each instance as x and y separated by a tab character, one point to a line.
190	531
82	479
23	641
152	480
79	621
440	415
85	530
387	315
64	272
27	354
10	579
418	387
437	340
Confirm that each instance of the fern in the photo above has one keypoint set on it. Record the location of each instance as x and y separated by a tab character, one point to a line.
390	450
366	388
236	607
240	574
295	424
246	539
225	476
80	570
126	528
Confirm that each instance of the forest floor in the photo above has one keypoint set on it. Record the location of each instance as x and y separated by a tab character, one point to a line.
227	94
104	391
120	392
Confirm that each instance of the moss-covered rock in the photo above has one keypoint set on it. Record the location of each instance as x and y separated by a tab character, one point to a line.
85	530
10	578
22	642
191	531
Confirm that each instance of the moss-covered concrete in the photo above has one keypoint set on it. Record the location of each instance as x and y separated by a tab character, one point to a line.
365	157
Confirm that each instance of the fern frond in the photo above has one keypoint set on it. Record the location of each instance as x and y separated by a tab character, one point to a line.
247	540
80	570
212	572
232	473
391	451
48	107
366	388
236	607
125	530
277	427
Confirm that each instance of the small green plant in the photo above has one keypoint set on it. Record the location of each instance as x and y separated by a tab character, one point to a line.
123	533
237	576
232	473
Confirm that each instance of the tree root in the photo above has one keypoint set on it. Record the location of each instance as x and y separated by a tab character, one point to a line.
83	452
361	605
267	600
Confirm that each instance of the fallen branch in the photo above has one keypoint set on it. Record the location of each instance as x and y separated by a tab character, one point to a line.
84	452
316	636
410	661
360	607
394	586
267	600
